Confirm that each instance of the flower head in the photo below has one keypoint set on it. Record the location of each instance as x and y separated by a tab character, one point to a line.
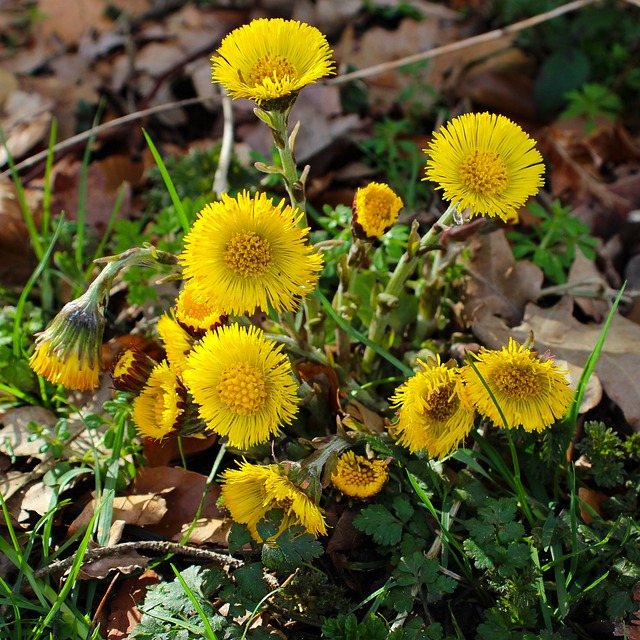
251	491
243	384
244	253
177	342
132	370
197	317
270	59
433	411
375	209
485	163
357	477
532	393
68	351
158	408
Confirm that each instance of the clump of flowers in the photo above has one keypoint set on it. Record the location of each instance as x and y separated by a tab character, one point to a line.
68	351
485	163
434	412
357	477
531	391
242	384
269	60
246	252
251	491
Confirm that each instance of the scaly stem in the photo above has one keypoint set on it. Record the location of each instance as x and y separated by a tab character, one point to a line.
388	299
522	495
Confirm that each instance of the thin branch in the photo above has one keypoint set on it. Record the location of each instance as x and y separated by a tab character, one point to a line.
157	546
221	177
462	44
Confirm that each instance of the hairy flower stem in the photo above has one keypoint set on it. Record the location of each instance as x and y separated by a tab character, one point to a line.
388	299
522	495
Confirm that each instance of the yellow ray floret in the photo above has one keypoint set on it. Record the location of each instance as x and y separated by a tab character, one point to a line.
244	253
532	392
243	385
270	59
485	163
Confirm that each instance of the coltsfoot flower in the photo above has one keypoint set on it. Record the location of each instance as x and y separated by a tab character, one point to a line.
159	406
242	383
246	252
176	341
356	477
131	370
271	59
532	392
434	413
197	317
251	491
485	163
375	210
69	350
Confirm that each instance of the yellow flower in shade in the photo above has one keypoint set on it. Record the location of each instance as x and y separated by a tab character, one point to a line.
244	253
268	60
176	341
485	163
132	370
242	383
158	408
434	413
251	491
357	477
375	210
532	392
69	350
197	317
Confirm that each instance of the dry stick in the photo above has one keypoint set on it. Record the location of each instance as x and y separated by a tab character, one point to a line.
463	44
221	177
157	546
112	124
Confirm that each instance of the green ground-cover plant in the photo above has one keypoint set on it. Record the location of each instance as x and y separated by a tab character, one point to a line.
432	509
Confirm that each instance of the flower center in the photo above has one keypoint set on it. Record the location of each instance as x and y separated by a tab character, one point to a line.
248	254
441	406
484	172
359	474
376	209
242	389
271	67
517	383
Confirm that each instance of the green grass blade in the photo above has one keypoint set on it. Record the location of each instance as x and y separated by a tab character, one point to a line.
354	333
177	203
211	634
572	414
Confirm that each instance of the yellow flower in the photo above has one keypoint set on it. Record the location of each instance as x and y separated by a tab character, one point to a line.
485	163
268	60
176	341
434	413
197	317
375	210
532	392
250	491
357	477
243	384
132	370
158	408
69	350
244	253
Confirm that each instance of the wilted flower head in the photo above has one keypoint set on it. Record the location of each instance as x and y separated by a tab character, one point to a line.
356	477
69	350
251	491
375	210
131	370
434	413
485	163
242	383
532	393
270	60
246	252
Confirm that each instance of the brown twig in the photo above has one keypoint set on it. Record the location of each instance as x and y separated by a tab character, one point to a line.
156	546
462	44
